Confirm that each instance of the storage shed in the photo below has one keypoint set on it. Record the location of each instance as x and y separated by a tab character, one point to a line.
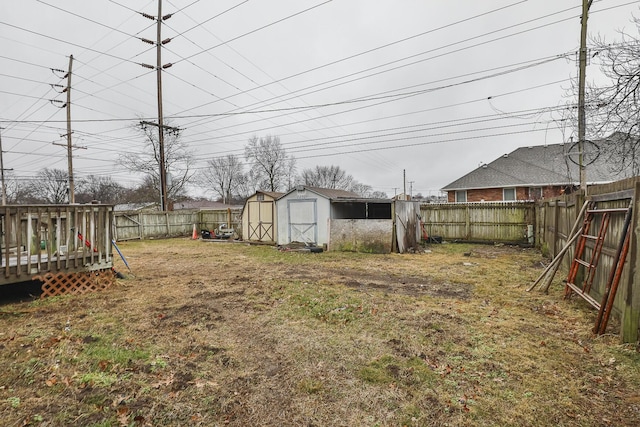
361	225
340	219
259	219
304	212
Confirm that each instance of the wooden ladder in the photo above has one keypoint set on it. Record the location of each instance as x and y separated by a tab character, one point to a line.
590	265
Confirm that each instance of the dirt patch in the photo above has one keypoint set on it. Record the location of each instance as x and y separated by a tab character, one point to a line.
389	283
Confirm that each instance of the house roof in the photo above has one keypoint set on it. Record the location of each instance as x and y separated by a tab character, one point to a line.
545	165
329	193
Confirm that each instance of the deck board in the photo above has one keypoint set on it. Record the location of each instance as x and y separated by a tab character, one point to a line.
60	230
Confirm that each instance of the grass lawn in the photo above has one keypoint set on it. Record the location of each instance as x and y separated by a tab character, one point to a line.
208	334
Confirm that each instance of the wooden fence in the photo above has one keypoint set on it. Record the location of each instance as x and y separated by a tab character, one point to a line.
554	222
505	222
156	225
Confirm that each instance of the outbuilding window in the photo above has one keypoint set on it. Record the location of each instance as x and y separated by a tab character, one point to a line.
360	210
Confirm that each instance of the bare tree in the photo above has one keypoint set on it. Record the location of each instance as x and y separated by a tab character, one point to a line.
18	191
362	190
178	160
225	176
326	177
271	168
50	186
101	188
613	108
378	195
143	193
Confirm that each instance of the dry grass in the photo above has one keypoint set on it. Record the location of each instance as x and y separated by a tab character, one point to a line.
222	334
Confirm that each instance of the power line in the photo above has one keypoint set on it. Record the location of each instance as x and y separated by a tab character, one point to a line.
66	42
85	18
259	29
401	59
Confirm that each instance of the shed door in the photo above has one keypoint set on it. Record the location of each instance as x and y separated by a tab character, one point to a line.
303	220
261	221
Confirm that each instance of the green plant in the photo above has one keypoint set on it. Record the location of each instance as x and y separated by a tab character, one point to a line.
14	401
99	379
310	385
544	250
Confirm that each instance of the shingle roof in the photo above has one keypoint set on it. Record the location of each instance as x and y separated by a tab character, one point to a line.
544	165
333	193
330	193
272	194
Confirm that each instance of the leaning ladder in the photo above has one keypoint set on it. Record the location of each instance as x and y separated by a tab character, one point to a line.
590	265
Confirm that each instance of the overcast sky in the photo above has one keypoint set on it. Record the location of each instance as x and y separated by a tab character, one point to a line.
432	87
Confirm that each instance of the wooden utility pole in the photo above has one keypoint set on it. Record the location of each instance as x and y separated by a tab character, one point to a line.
4	187
163	172
586	4
159	67
72	197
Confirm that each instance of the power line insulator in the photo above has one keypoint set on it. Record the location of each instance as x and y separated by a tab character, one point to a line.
147	40
148	66
165	17
167	65
146	15
165	41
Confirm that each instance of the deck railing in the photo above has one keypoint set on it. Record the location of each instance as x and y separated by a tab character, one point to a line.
37	239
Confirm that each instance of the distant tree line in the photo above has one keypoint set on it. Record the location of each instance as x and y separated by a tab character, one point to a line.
229	179
269	168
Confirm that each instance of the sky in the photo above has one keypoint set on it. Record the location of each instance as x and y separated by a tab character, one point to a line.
428	89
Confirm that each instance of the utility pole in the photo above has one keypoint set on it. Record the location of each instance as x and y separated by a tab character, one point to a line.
69	145
411	190
159	67
586	4
404	184
72	196
2	169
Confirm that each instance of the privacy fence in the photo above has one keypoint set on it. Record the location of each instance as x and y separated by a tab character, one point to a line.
158	225
498	222
555	219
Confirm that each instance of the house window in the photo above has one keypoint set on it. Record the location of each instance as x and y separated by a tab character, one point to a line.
461	196
509	194
535	193
260	197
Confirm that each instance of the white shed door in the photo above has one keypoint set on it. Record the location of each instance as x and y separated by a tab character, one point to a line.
303	220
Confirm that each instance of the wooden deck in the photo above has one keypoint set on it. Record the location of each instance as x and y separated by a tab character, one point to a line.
40	239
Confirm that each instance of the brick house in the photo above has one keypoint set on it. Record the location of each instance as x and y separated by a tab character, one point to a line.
539	172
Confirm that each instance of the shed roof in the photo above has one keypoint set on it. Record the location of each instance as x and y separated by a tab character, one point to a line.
545	165
329	193
272	194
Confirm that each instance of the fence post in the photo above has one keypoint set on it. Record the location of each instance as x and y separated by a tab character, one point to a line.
556	220
467	225
631	312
